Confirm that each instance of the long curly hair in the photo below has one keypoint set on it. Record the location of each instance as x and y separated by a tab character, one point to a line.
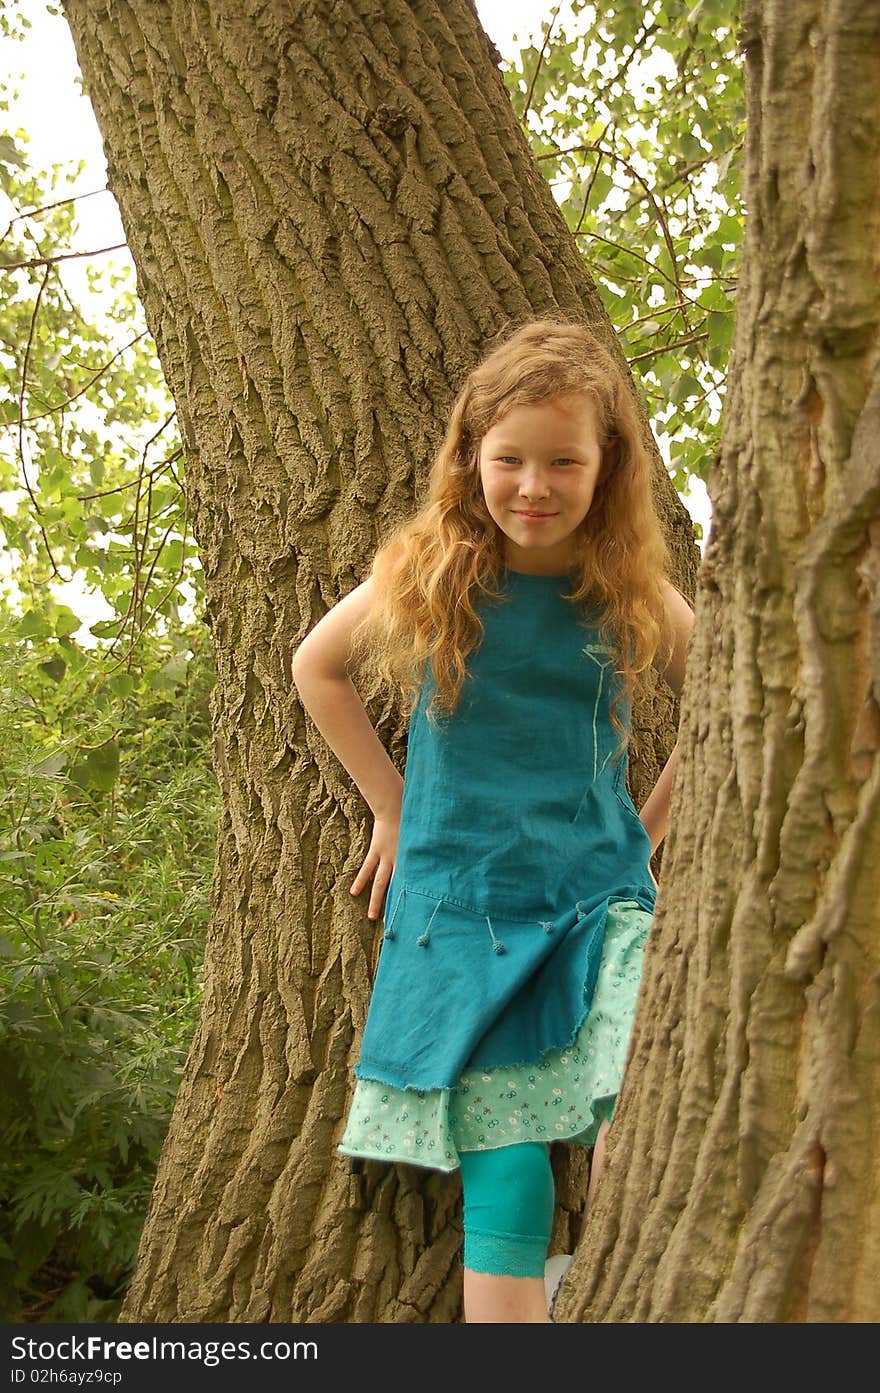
434	565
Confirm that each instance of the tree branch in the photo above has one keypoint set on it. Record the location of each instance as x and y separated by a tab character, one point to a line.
531	91
21	395
667	348
47	208
59	406
64	256
586	202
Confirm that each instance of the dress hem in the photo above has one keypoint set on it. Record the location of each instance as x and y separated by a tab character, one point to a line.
573	1137
381	1073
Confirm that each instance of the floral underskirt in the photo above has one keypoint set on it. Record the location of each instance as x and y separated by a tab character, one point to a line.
563	1097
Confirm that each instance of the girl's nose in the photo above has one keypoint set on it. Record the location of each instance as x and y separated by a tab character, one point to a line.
535	487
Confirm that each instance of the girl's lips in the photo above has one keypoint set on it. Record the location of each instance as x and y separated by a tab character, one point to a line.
534	517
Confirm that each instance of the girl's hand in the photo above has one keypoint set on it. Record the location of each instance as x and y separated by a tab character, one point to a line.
379	862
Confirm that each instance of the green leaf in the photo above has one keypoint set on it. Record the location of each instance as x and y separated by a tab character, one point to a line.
720	330
66	622
9	153
686	386
103	765
715	297
54	668
122	684
729	230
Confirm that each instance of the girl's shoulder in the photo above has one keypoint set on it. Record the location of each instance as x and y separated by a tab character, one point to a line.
670	662
330	641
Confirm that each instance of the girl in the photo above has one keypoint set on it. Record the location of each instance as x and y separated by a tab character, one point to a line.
519	612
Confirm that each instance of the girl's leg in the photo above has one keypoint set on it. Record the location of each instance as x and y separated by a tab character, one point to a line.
504	1300
597	1165
556	1269
509	1198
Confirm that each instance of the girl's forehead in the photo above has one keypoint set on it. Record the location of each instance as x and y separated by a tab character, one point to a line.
573	411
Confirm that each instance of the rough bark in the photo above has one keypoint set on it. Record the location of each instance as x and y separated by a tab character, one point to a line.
744	1172
330	208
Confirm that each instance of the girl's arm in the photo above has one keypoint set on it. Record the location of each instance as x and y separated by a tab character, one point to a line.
329	695
319	670
655	809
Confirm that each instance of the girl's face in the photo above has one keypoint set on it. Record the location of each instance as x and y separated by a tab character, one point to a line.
539	466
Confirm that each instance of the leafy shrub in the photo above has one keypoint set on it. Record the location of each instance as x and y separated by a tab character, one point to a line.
106	849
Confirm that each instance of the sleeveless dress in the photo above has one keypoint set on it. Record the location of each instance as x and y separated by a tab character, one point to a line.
519	906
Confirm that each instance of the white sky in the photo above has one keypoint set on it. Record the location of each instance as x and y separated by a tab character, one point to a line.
61	130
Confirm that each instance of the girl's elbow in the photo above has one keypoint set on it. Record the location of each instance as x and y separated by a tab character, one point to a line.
299	664
309	662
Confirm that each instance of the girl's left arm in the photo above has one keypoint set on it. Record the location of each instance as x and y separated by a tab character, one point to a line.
655	809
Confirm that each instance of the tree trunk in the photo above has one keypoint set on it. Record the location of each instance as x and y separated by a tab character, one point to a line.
330	208
744	1159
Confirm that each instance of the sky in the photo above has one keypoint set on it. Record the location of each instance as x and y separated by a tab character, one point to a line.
63	131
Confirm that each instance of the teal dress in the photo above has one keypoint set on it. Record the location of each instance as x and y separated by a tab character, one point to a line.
519	905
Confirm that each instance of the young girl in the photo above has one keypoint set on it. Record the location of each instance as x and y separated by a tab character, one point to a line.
519	612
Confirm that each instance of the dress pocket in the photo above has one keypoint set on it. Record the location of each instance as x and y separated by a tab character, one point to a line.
588	799
629	807
621	793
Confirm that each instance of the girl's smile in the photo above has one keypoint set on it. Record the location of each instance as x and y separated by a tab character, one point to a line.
539	466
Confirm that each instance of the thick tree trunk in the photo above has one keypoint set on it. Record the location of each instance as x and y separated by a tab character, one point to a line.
744	1171
330	208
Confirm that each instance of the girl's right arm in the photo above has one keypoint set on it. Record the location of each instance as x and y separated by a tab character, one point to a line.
319	670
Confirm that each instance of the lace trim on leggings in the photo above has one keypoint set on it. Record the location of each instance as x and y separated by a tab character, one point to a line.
505	1254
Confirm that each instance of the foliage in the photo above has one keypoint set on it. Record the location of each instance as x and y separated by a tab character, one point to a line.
636	113
109	805
105	862
82	411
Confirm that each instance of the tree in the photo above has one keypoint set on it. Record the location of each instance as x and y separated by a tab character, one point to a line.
329	214
742	1181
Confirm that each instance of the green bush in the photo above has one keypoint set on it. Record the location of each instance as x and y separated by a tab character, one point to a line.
109	811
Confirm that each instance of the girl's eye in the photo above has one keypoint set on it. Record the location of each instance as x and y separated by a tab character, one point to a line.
514	458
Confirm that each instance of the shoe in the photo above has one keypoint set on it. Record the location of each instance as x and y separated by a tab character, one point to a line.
555	1269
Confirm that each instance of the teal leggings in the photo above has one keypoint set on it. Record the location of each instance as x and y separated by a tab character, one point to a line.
509	1198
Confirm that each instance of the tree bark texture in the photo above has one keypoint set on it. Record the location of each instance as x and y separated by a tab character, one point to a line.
744	1163
331	207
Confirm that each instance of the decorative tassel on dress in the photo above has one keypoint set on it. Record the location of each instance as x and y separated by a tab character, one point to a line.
497	945
424	938
389	932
